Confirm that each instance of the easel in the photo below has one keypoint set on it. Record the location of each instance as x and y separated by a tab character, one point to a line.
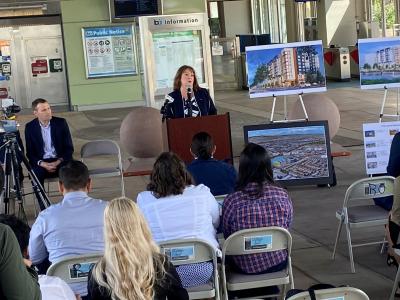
271	119
381	114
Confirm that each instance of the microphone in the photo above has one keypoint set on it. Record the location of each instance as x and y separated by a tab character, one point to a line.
189	92
164	108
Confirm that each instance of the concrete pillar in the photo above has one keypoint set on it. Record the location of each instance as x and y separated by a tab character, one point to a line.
337	22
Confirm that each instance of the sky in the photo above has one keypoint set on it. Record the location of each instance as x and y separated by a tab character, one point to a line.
256	57
286	131
367	51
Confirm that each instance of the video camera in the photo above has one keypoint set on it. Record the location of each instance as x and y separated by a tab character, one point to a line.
9	108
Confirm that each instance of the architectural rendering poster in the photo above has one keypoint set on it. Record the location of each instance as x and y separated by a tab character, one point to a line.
285	69
296	152
379	61
377	141
109	51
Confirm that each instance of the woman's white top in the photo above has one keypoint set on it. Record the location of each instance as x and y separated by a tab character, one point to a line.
192	214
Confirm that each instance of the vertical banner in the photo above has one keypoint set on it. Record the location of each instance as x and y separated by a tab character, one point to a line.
109	51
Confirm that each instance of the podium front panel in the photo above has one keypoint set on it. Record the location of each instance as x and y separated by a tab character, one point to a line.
181	131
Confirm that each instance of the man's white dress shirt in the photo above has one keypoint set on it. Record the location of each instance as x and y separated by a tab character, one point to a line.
72	227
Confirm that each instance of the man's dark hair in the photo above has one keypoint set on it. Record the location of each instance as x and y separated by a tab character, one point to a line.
74	175
202	145
169	176
37	101
20	229
254	166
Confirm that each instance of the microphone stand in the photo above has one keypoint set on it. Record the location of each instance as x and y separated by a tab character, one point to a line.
189	96
164	110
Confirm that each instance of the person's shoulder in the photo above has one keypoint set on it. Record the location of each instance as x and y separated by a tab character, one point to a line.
271	188
174	94
32	123
144	198
197	189
58	120
98	202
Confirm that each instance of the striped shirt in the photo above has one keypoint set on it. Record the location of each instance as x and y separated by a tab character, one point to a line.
248	209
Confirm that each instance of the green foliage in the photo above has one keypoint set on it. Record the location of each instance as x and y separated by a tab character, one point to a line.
261	74
367	66
389	12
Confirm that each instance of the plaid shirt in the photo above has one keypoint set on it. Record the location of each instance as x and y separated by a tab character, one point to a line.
245	209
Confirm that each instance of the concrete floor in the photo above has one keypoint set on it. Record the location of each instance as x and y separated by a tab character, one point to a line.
315	225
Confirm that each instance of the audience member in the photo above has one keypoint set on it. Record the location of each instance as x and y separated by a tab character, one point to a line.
48	142
393	169
219	176
178	104
257	202
52	288
176	209
132	266
72	227
17	279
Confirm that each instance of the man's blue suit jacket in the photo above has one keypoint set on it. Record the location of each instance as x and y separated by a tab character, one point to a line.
60	136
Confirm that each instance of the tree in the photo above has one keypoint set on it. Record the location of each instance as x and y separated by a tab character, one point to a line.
367	66
261	74
389	12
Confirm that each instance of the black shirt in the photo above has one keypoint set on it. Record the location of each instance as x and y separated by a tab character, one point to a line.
169	286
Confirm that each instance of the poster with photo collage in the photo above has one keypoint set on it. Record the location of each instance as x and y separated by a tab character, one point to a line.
377	141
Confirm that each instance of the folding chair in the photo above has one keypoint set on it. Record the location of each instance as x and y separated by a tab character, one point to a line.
74	269
345	293
257	240
100	148
190	251
367	215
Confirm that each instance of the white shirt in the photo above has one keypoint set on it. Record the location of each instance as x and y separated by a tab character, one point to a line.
54	288
49	150
72	227
193	214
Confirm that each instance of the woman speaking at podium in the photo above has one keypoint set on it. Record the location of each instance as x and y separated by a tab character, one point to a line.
188	99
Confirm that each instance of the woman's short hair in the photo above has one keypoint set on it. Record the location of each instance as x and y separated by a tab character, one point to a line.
202	145
169	176
132	262
178	76
254	166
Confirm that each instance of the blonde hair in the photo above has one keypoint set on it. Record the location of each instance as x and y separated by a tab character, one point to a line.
131	258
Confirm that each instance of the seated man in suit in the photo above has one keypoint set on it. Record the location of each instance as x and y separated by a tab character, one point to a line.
48	141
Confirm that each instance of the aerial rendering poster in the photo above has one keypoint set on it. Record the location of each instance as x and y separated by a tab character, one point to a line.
296	152
285	69
379	62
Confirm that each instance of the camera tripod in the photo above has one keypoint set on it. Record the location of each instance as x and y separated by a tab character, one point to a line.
13	154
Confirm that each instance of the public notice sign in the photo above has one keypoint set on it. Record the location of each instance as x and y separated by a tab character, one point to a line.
109	51
377	141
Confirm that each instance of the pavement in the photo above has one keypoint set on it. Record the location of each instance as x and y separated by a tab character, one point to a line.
315	224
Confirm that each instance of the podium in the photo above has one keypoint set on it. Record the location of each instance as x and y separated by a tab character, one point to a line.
181	131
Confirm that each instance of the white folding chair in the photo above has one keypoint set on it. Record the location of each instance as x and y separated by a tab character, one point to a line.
102	148
74	269
190	251
356	215
344	293
251	241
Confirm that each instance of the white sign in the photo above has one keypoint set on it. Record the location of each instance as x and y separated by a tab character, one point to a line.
109	51
377	141
172	50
